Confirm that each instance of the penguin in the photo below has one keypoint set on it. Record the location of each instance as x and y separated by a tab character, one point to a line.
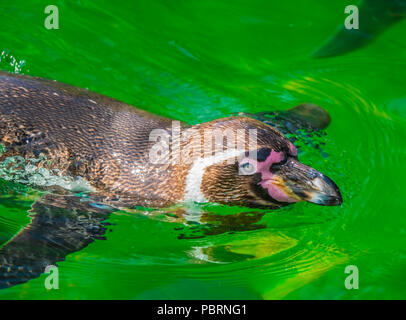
127	158
139	158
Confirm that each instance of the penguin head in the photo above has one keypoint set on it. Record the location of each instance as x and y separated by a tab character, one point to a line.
268	175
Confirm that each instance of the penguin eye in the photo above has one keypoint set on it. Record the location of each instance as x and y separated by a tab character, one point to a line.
247	168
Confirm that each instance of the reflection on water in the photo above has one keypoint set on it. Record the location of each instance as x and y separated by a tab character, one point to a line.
63	224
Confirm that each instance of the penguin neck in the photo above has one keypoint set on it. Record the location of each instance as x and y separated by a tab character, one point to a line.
193	185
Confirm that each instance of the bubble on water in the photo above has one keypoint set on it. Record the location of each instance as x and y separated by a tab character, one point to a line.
26	171
9	63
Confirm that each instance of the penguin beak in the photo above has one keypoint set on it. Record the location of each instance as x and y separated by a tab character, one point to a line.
304	183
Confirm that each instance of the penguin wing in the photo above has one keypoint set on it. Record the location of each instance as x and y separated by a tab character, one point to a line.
61	224
304	122
304	117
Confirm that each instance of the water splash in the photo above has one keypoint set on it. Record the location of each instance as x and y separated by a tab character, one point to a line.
26	171
10	63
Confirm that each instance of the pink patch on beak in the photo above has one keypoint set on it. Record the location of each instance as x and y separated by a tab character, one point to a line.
263	167
276	193
266	175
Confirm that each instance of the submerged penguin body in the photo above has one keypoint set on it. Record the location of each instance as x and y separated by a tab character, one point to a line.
108	143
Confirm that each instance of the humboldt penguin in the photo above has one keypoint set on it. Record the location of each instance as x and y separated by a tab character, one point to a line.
121	153
128	154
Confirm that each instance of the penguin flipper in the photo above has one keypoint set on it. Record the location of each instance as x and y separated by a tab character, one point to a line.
306	117
304	123
60	225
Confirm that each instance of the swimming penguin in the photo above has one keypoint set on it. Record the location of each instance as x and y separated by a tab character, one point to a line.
135	156
108	143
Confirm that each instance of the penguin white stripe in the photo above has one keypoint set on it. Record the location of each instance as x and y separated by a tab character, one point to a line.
194	177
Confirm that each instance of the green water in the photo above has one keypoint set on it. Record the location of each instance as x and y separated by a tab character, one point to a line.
200	60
